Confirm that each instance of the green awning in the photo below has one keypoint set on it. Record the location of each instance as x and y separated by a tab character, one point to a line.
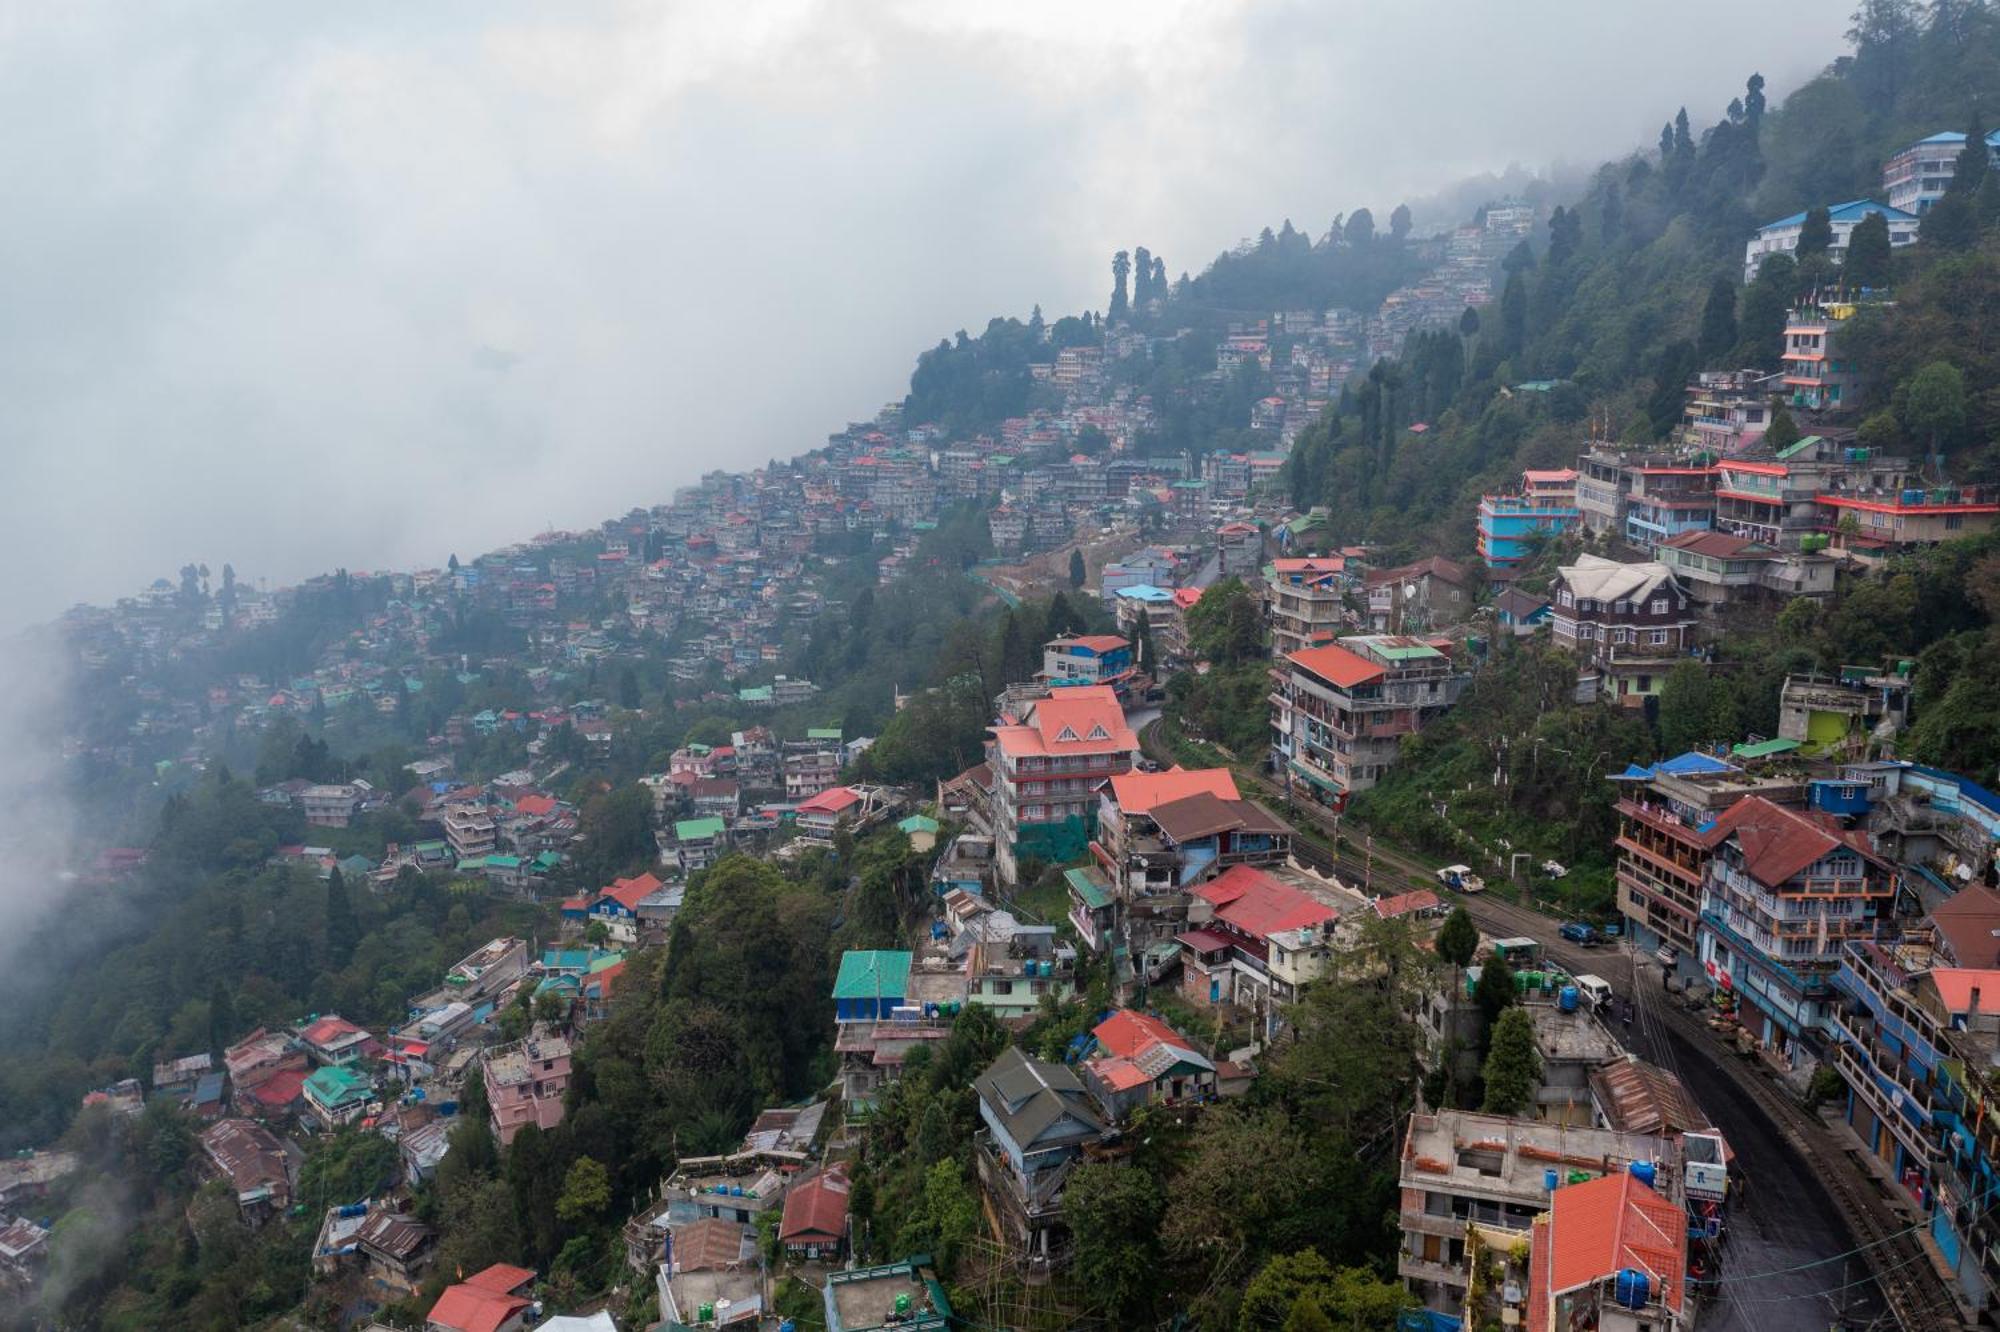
1765	748
1089	887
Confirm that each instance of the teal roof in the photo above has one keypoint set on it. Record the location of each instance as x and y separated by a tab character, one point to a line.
919	823
503	862
689	830
1089	887
755	694
823	733
872	974
334	1085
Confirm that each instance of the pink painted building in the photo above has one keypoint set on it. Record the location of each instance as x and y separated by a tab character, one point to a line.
525	1083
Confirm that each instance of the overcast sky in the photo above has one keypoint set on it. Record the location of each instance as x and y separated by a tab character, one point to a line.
299	286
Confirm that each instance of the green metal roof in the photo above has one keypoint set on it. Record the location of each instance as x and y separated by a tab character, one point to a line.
1765	748
693	829
917	823
1793	450
872	974
823	733
1404	651
1089	887
333	1084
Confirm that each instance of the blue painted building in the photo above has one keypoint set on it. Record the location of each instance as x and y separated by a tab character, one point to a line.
1510	524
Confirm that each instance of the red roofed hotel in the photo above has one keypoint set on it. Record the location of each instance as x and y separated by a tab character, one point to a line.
1339	712
1251	935
1047	770
1785	891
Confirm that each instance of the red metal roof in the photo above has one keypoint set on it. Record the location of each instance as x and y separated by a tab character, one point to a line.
1139	792
1248	899
628	892
467	1308
1336	665
1127	1032
1599	1228
816	1208
1778	843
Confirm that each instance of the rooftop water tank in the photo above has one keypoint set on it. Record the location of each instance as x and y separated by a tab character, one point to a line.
1644	1172
1634	1288
1567	999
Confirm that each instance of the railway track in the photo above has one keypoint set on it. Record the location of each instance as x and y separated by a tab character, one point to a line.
1916	1294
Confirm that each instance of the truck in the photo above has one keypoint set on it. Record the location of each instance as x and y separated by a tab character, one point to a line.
1461	878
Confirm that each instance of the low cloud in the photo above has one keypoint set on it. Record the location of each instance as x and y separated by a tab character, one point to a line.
298	287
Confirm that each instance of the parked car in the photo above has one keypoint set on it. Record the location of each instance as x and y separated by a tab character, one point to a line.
1555	869
1580	933
1612	929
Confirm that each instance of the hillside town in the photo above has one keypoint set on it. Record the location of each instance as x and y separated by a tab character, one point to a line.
1010	919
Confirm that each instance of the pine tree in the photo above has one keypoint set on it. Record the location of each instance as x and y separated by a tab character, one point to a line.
1969	172
343	932
1399	222
1783	432
1142	277
1868	255
1121	270
1513	1069
1815	234
1077	572
1718	321
1458	940
1495	990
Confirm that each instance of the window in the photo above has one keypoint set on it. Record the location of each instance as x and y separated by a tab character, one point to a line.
1567	599
1657	637
1659	605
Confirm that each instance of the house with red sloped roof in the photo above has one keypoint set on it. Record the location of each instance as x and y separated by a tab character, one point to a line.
618	905
1141	1060
1592	1235
814	1225
1786	890
493	1300
1159	832
1252	936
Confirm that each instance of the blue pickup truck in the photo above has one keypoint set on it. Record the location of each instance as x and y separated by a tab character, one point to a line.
1577	932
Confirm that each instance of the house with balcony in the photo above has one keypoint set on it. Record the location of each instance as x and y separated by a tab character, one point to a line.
1038	1123
1721	569
1160	832
812	764
1666	501
1513	523
1161	612
1086	659
1888	1033
699	843
1817	375
525	1084
1428	594
1919	175
1252	937
1138	1059
1306	602
1782	236
1339	712
1786	891
1669	815
337	1095
1869	523
1727	411
1627	623
1942	827
1472	1182
1009	966
1964	1194
1047	769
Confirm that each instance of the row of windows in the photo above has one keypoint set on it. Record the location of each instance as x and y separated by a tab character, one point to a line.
1658	606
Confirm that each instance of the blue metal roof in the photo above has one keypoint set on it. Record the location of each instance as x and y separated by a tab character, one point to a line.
1685	765
1851	211
1968	788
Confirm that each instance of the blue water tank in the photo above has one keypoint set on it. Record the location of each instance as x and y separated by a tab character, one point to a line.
1568	999
1550	1179
1634	1288
1644	1172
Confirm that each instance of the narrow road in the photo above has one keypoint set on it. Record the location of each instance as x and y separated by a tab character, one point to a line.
1813	1242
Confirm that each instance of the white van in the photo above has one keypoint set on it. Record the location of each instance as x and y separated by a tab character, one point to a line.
1595	990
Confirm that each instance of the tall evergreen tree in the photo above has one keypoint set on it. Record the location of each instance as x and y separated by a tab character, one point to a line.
1815	234
1869	259
1360	228
1399	222
1077	572
1753	102
343	932
1142	277
1974	159
1718	321
1513	315
1121	270
1513	1070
